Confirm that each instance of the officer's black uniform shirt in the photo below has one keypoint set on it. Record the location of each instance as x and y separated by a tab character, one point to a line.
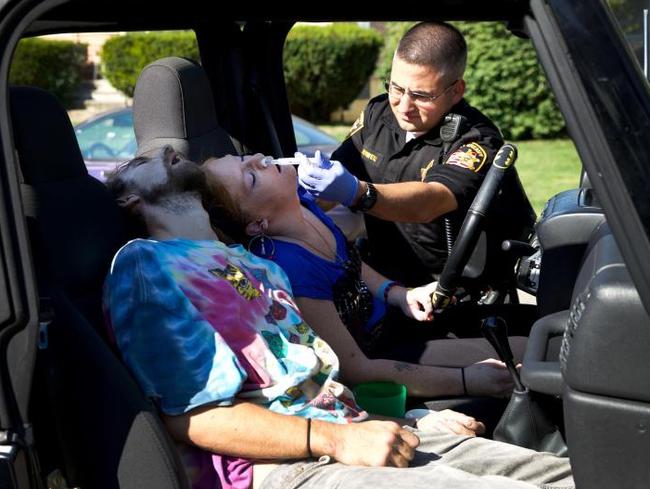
376	151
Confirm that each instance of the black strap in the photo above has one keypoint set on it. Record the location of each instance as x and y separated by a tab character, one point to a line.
268	119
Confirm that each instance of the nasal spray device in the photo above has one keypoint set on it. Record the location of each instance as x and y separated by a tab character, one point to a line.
268	160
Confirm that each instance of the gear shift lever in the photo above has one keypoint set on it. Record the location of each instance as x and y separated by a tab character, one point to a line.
524	422
495	331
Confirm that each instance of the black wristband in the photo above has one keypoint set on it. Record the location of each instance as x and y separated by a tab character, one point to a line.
462	374
311	455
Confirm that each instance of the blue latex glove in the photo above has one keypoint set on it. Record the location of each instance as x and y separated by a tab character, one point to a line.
325	179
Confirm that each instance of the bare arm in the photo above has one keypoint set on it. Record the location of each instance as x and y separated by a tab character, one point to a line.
415	303
250	431
411	201
420	380
372	278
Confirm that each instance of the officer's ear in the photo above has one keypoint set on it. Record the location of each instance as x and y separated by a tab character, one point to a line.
458	91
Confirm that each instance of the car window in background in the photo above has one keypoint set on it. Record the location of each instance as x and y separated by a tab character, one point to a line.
629	16
108	137
307	134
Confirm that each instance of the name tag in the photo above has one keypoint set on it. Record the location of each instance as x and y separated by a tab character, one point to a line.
369	155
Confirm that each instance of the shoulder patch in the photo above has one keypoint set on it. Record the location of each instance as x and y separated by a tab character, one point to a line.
471	156
356	127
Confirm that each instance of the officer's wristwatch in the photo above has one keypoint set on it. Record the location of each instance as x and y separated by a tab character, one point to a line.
367	199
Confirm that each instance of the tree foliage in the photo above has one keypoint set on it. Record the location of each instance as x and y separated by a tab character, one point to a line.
504	79
54	66
326	67
124	57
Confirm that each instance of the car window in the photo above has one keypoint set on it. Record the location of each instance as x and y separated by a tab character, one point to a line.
629	17
310	136
106	138
111	137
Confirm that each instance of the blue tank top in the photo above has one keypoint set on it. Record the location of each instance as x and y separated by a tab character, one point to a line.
338	281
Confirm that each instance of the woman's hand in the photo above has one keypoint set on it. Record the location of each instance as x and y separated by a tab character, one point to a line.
448	421
488	378
415	303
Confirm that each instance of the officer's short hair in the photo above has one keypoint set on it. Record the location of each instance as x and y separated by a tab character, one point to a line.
435	44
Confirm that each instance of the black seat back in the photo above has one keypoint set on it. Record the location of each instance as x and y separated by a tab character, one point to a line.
91	419
173	104
605	364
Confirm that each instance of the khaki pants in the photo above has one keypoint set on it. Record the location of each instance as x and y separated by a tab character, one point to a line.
442	461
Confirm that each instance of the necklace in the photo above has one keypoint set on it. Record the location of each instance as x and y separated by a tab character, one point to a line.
351	296
329	253
333	251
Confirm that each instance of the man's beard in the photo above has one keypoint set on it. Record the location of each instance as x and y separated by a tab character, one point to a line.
185	179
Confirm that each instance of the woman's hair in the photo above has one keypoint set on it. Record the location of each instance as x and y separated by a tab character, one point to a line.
228	221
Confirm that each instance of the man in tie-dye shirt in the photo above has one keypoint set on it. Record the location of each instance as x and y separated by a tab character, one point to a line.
212	335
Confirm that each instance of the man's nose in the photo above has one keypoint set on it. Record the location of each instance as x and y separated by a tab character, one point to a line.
166	150
405	103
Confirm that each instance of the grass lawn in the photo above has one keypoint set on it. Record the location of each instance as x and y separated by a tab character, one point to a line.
545	167
337	131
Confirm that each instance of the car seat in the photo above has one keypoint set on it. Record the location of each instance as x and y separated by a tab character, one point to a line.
173	104
91	420
606	371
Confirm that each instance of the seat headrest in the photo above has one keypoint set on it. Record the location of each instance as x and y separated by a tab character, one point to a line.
44	138
173	104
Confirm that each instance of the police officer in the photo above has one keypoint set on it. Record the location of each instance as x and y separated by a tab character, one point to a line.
395	166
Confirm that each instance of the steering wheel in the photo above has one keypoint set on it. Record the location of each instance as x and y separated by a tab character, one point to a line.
98	150
471	228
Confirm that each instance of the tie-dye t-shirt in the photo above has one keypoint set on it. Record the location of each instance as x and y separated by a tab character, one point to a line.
198	322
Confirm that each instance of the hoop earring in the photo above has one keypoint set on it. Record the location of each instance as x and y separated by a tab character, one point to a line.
263	241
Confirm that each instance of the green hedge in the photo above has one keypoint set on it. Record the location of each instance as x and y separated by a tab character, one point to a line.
504	80
392	35
54	66
123	57
325	67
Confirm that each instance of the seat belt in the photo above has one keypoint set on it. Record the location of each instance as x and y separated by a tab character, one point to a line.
55	479
268	119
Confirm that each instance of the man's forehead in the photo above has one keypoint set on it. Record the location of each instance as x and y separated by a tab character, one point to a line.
146	157
410	72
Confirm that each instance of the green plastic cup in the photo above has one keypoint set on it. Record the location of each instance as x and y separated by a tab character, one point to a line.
383	398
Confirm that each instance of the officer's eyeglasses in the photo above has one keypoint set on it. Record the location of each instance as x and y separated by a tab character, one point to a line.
422	99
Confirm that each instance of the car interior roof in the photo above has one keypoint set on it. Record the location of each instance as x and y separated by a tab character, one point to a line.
125	15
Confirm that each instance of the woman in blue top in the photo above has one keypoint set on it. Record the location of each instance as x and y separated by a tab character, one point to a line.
360	313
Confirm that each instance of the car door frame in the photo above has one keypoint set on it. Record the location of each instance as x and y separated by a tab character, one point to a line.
20	330
587	73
